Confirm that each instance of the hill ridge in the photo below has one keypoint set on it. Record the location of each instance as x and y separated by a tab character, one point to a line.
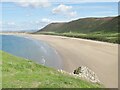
84	25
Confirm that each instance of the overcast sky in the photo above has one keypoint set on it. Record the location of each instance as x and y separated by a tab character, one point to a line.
35	14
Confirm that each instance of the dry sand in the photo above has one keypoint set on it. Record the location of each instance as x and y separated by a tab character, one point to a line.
100	57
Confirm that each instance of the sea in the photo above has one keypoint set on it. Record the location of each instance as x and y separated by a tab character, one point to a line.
38	51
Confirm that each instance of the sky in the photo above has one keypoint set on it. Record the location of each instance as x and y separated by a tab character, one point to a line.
35	14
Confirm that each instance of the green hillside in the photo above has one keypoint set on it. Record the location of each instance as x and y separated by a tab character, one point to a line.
101	29
85	25
20	73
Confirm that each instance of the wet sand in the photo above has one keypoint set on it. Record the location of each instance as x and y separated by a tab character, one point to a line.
101	57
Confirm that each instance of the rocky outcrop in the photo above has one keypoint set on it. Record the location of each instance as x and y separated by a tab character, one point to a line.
84	73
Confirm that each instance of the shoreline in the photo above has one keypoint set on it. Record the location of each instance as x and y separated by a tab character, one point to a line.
101	57
62	37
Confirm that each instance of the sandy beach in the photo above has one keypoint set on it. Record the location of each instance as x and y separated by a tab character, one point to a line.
101	57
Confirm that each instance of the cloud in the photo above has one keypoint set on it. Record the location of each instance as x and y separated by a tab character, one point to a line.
46	20
72	14
11	23
64	9
30	3
42	21
39	23
61	8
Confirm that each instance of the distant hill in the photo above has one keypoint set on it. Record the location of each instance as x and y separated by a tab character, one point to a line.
85	25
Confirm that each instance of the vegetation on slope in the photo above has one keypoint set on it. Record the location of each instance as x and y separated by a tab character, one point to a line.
20	73
85	25
98	36
102	29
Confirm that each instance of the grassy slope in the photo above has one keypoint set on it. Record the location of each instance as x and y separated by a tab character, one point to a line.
85	25
18	72
101	29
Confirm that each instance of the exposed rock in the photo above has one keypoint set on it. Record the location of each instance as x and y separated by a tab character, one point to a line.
78	70
86	73
83	72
